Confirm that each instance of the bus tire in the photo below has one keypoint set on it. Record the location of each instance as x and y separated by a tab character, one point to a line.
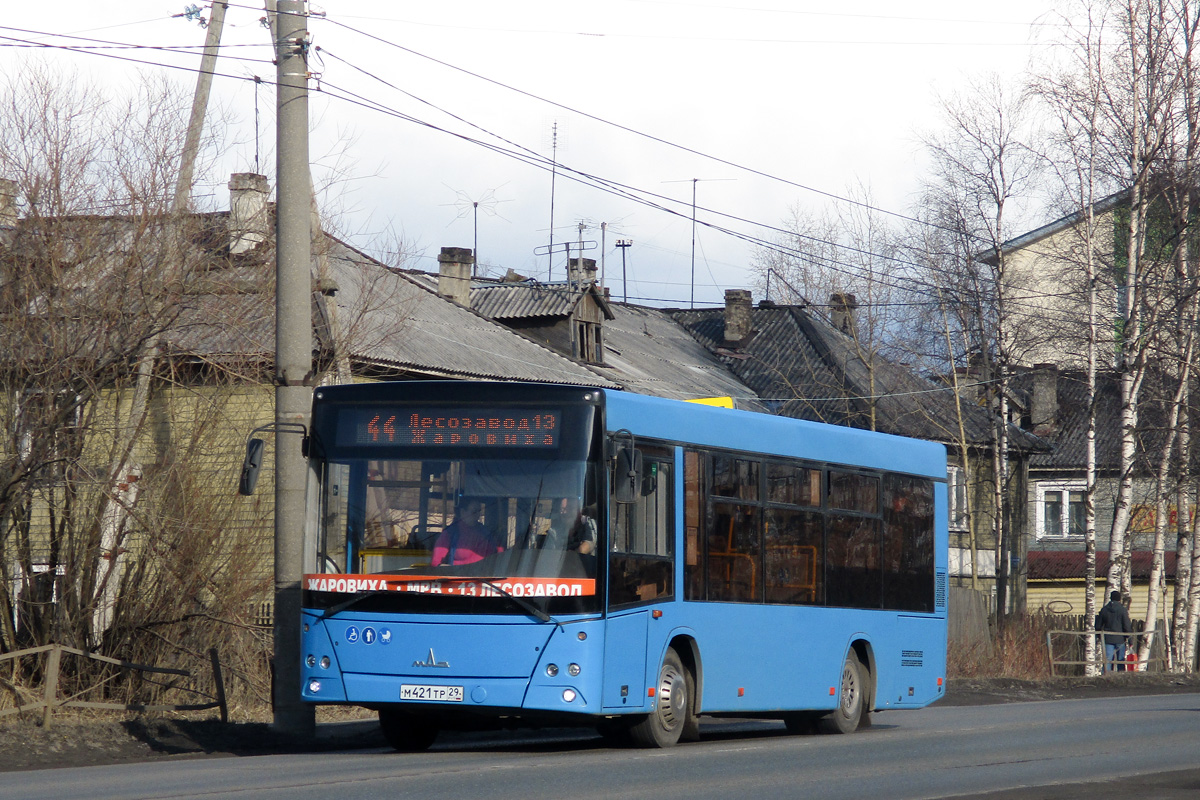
673	705
407	733
852	697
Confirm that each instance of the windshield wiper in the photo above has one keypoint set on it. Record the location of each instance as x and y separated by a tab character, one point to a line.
342	606
521	601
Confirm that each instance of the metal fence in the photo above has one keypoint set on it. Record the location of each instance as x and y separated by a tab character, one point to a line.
1066	650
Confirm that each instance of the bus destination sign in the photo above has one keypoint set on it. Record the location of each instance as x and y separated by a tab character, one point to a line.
450	427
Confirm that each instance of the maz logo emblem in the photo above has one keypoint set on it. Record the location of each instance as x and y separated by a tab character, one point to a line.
432	662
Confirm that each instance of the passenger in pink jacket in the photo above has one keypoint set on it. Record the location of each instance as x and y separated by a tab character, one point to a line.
465	540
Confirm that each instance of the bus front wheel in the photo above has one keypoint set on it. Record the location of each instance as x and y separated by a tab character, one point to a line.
406	732
673	705
851	709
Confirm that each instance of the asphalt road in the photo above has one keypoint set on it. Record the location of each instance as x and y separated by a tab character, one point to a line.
1054	749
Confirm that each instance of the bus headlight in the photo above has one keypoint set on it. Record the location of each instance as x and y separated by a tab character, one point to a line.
325	662
552	670
568	695
310	661
573	670
314	686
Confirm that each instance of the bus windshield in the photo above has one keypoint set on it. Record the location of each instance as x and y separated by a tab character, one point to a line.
471	527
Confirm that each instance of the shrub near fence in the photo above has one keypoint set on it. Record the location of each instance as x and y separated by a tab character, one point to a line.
1029	646
50	672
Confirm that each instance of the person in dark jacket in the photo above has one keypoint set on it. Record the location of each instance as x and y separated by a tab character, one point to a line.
1114	619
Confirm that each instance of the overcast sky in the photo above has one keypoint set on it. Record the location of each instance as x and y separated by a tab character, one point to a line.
646	96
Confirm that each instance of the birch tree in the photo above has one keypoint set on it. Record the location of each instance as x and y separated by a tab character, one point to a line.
1073	95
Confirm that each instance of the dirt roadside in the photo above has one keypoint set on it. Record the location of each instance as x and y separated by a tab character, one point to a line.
76	741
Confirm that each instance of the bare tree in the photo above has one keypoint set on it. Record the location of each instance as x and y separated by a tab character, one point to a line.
136	355
845	266
983	167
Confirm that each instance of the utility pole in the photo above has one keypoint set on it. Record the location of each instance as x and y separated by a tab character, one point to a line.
624	244
191	145
603	235
293	355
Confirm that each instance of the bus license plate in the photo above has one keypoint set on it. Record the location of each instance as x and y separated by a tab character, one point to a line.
445	694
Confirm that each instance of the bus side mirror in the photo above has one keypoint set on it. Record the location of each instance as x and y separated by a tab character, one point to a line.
627	476
251	466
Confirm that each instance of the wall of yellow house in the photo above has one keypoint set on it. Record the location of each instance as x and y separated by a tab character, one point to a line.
1067	597
184	468
1038	274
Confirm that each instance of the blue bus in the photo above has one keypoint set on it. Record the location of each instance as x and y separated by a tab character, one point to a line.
514	554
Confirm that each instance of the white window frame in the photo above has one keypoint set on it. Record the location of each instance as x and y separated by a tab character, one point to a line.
15	581
1066	488
956	493
25	435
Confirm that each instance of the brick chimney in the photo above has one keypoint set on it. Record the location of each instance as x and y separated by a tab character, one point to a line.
737	316
8	203
454	274
249	223
1043	407
841	311
581	271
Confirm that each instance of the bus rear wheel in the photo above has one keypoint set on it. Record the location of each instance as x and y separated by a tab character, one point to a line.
851	709
406	732
673	706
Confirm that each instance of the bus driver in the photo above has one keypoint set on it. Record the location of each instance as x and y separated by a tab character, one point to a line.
465	540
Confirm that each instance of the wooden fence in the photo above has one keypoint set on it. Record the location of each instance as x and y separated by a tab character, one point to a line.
969	615
50	699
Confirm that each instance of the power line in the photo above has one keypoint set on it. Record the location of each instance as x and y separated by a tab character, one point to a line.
529	157
628	129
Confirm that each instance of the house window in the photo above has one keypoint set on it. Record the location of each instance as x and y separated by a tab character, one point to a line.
36	595
48	426
1061	510
957	478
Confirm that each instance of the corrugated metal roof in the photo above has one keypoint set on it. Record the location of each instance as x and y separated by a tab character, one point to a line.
1068	436
377	316
522	300
809	370
528	299
1066	564
393	320
647	352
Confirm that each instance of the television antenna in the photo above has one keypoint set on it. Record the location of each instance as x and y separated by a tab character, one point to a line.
557	139
694	181
466	204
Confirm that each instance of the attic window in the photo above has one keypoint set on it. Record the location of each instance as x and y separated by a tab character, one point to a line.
591	344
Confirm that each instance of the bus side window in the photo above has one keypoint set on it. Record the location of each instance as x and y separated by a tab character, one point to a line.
693	502
908	566
642	563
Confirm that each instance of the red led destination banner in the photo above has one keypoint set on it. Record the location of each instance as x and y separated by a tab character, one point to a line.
449	427
458	587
